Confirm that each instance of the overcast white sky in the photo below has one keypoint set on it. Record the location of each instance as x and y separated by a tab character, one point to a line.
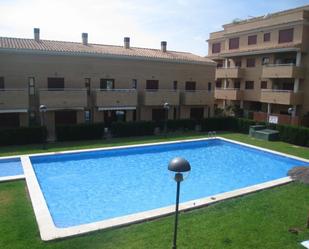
184	24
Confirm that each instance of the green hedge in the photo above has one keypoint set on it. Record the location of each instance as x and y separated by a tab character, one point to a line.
294	134
79	132
129	129
22	135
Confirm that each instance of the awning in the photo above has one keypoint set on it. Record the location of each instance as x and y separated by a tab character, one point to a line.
117	108
13	110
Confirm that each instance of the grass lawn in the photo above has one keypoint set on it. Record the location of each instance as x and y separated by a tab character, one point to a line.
259	220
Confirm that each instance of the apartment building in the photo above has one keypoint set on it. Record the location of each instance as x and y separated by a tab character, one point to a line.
263	66
85	82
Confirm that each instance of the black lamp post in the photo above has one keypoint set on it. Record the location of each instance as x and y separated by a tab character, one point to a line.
179	166
291	111
166	107
43	110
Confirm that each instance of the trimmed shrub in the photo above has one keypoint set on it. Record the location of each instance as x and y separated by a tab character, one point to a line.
181	124
22	135
242	125
129	129
294	134
218	124
79	132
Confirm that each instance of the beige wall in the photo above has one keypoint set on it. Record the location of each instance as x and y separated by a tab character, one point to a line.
17	68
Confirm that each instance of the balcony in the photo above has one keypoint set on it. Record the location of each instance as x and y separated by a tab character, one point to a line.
201	97
229	72
14	99
159	97
281	97
63	98
229	94
115	98
283	71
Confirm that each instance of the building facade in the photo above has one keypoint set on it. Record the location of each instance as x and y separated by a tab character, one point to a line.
263	66
83	82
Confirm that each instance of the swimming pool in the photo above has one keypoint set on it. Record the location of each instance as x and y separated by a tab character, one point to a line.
11	169
86	188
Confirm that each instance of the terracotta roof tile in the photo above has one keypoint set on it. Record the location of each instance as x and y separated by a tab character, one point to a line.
7	43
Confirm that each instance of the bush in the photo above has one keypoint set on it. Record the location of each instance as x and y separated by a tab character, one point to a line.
294	134
218	124
79	132
181	124
129	129
22	135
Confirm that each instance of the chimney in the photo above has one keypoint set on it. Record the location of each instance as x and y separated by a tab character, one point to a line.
85	38
126	42
163	46
36	32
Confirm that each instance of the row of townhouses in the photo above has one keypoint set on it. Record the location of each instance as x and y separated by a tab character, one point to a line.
256	65
84	82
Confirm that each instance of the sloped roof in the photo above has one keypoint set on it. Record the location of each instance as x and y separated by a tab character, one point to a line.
75	48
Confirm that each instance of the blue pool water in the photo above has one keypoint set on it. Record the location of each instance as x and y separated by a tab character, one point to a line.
10	167
92	186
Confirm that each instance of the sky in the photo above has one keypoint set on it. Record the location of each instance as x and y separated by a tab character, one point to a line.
184	24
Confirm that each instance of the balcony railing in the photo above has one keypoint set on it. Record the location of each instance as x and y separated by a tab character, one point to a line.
229	72
159	97
284	97
229	93
115	98
63	98
199	97
282	71
14	99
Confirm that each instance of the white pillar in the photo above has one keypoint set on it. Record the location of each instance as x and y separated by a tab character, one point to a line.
225	63
296	85
224	83
298	59
268	108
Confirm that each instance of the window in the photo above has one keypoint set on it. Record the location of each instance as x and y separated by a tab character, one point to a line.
190	86
286	35
87	116
87	85
249	85
216	48
234	43
252	39
1	83
9	120
251	62
266	37
238	63
219	64
263	84
65	117
237	84
55	83
218	84
134	83
175	85
265	60
31	86
209	86
152	84
158	114
107	84
196	113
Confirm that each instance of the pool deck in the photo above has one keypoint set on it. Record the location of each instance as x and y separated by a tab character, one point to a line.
49	231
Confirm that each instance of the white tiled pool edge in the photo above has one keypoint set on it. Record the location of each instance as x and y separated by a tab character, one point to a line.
11	178
49	231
